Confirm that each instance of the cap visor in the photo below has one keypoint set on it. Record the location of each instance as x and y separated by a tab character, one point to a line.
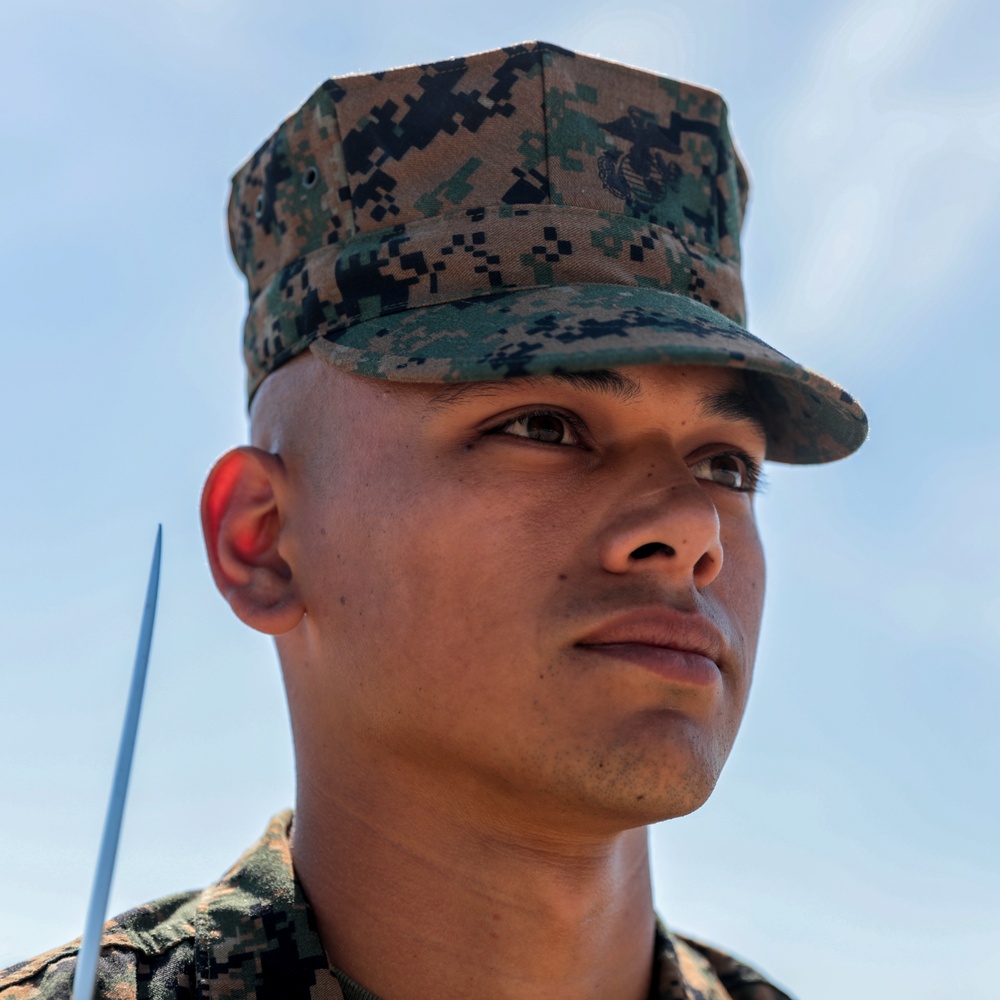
808	418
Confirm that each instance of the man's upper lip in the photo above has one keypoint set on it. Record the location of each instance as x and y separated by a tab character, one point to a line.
690	633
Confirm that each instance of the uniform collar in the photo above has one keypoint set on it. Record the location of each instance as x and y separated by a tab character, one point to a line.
256	936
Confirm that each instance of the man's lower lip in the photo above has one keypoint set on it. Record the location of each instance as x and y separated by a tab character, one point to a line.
676	665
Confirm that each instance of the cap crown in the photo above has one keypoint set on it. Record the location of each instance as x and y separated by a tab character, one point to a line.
518	168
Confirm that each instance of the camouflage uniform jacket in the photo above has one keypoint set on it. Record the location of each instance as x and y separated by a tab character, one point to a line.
254	935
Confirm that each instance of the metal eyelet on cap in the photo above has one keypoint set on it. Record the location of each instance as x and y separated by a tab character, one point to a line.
259	207
310	177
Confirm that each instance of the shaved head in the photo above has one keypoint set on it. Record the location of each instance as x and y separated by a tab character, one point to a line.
280	408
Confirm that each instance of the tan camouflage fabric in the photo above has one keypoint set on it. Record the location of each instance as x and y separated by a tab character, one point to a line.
253	935
513	213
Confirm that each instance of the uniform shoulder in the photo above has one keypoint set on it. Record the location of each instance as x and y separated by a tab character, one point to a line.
741	981
154	941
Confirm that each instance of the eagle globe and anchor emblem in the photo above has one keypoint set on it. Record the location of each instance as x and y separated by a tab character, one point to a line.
641	177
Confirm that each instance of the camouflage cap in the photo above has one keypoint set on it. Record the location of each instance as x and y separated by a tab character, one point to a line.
517	212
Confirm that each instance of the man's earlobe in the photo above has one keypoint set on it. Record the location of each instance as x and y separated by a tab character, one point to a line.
241	518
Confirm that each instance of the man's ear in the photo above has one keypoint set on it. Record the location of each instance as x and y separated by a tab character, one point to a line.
242	523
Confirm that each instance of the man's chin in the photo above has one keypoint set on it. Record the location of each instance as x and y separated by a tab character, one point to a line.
658	805
613	806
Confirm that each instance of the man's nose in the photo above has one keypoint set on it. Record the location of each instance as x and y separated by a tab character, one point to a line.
671	528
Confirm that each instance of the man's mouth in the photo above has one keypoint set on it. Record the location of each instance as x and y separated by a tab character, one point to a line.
680	647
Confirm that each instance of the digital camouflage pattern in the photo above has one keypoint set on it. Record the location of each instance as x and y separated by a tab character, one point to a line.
515	212
253	936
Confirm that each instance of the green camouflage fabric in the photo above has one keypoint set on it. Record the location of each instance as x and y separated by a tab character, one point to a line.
253	935
517	212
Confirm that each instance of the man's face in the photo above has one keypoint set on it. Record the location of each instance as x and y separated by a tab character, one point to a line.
541	595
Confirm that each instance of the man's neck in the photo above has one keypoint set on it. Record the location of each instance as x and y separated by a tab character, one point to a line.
414	902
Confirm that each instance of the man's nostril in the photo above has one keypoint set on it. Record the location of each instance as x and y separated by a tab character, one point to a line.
651	549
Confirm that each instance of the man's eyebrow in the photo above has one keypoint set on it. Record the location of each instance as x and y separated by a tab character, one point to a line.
734	403
600	380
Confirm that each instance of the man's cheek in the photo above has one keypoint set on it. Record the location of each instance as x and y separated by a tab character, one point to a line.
743	575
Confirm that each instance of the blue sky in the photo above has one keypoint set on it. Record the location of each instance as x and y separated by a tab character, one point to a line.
850	848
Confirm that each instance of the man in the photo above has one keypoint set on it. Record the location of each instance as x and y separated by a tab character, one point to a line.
497	511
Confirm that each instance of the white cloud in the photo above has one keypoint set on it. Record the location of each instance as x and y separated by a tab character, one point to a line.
885	186
873	35
655	36
845	234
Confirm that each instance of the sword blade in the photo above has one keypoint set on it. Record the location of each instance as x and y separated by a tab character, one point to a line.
90	947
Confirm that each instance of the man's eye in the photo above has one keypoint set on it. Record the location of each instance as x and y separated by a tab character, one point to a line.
732	469
542	425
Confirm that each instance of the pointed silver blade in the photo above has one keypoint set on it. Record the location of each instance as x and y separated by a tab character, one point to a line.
90	947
